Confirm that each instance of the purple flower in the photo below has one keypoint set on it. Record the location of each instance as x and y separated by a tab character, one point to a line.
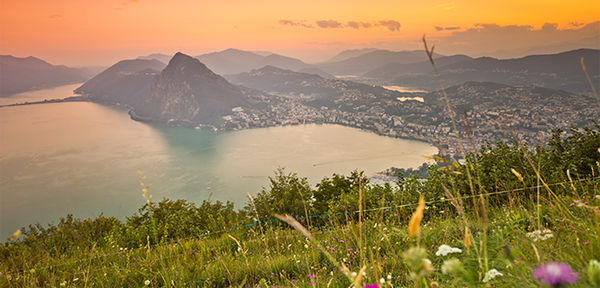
372	286
310	276
555	274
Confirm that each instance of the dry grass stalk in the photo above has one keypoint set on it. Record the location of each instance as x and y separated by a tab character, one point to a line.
591	83
415	219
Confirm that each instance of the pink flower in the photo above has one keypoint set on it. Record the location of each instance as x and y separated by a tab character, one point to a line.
555	274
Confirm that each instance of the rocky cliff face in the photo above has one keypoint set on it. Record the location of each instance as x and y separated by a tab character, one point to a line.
187	91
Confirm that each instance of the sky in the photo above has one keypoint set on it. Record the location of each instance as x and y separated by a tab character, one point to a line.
84	33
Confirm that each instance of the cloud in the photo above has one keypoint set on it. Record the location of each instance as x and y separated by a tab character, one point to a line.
357	25
452	28
354	24
295	23
329	24
576	24
390	25
491	39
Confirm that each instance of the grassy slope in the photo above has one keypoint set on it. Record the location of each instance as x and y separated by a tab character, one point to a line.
284	258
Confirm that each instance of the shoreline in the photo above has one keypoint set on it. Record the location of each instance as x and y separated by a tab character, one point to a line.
212	127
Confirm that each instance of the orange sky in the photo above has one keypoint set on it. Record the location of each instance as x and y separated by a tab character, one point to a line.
76	32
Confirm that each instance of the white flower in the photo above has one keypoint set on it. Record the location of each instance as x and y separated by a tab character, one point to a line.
147	282
493	273
540	235
452	266
444	250
382	281
354	274
389	276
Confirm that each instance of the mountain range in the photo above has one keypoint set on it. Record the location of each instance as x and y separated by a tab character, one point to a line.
366	60
23	74
558	71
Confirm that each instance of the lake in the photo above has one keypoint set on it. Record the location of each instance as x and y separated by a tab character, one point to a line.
83	158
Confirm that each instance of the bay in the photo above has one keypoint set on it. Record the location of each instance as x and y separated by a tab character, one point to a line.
83	158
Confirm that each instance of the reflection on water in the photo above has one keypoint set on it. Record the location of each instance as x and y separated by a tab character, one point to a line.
404	89
82	158
58	92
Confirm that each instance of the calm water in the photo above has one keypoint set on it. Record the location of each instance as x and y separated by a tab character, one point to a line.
82	158
58	92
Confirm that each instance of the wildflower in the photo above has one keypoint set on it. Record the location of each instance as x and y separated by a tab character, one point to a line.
354	274
76	279
493	273
63	284
540	235
389	277
382	280
593	272
310	276
147	282
444	250
452	266
14	235
555	274
518	259
372	286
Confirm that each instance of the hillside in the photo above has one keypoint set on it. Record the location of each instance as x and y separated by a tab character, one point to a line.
364	62
126	82
557	71
233	61
22	74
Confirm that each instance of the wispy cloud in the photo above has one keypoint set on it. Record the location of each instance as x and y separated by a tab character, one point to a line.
391	25
301	23
452	28
576	24
357	25
329	24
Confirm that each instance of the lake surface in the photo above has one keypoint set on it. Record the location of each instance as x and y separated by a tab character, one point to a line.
82	158
58	92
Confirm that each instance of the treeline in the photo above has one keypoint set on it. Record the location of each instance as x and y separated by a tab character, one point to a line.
506	170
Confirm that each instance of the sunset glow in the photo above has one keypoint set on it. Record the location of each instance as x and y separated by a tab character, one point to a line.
100	32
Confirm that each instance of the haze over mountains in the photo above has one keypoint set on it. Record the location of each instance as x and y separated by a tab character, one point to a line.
23	74
559	71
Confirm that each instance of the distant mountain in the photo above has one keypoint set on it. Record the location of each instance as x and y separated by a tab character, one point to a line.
233	61
22	74
126	82
187	92
363	63
390	71
316	71
347	54
557	71
158	56
312	89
